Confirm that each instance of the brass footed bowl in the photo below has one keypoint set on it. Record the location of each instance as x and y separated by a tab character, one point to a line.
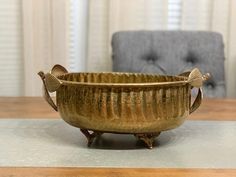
139	104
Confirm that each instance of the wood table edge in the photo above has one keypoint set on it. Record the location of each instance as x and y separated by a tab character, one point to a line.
113	172
37	108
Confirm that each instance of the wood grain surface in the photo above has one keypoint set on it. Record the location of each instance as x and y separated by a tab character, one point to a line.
36	107
114	172
26	107
29	107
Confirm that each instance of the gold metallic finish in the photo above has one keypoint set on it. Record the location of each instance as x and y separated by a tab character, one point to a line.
132	103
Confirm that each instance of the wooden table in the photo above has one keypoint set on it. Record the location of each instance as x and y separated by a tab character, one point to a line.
27	107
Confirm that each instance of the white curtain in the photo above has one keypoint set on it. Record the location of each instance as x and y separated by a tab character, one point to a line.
219	16
55	32
231	51
11	54
109	16
45	36
52	33
77	14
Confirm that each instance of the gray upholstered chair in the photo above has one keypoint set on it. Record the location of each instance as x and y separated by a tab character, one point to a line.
172	52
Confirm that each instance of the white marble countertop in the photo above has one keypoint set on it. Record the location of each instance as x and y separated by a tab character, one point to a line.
53	143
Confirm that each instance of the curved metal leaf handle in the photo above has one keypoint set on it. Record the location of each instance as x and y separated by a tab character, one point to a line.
196	79
51	83
197	102
58	70
46	94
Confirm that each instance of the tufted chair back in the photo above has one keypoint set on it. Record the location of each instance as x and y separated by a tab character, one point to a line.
171	53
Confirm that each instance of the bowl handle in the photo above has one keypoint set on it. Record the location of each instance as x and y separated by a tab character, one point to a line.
197	102
46	94
58	70
51	83
196	79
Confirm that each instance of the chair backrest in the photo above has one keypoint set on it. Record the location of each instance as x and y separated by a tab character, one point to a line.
171	53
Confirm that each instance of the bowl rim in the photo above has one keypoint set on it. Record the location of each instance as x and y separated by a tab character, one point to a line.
139	84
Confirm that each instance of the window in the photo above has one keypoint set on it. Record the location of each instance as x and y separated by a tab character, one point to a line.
11	37
174	14
77	34
11	48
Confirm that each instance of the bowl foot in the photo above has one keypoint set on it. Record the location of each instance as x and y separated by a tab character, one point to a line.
90	136
147	138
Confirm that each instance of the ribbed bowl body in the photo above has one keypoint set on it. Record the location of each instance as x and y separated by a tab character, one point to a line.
139	108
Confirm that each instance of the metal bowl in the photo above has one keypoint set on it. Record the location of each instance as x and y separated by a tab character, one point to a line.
131	103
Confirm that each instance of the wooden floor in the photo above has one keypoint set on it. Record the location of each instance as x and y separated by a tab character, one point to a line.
26	107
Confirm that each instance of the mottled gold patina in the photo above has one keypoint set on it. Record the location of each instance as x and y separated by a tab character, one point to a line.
132	103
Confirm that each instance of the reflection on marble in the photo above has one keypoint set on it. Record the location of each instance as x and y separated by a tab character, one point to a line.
50	143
